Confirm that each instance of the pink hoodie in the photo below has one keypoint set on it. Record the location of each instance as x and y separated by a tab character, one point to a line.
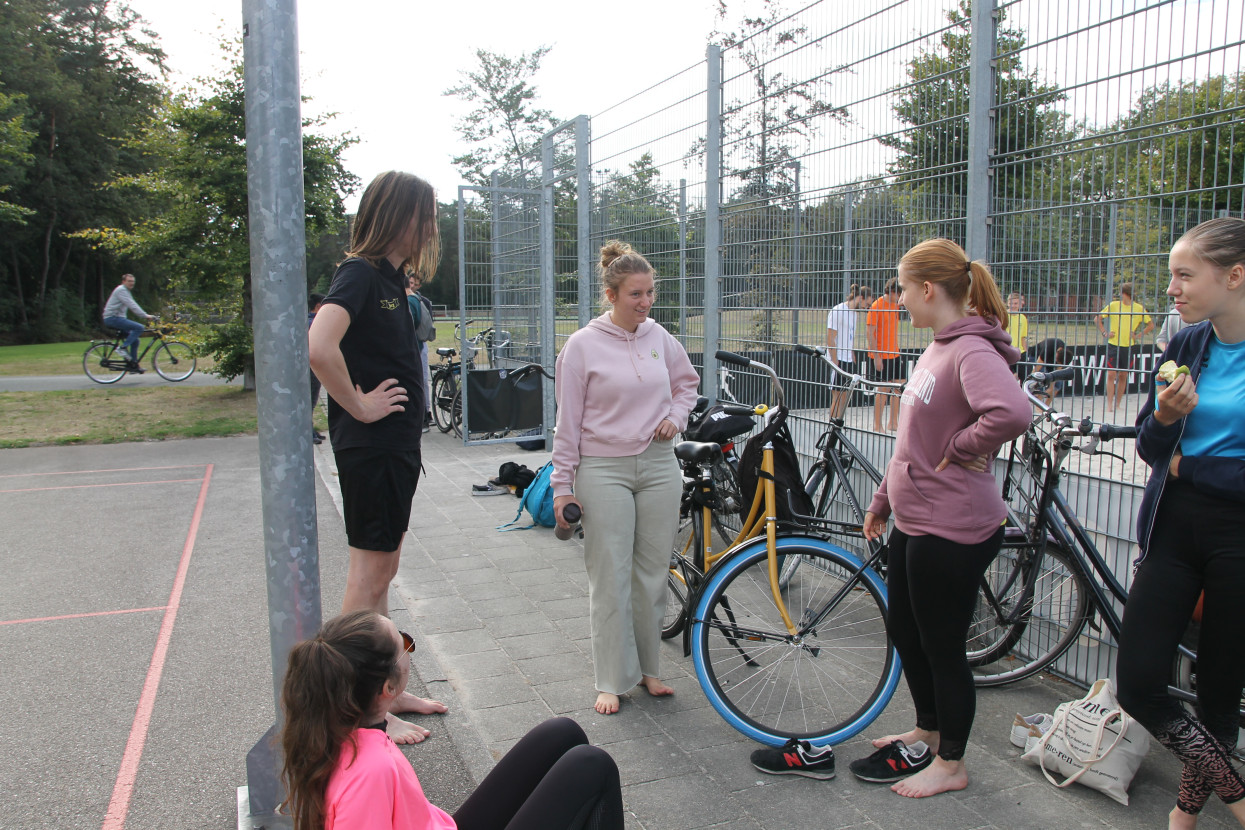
961	402
613	389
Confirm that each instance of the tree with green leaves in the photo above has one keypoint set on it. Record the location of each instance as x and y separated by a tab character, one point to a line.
505	123
932	153
766	129
198	188
79	75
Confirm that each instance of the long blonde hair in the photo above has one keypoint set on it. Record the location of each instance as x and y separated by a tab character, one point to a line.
385	211
966	281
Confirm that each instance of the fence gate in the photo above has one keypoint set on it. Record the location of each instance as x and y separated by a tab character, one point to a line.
509	267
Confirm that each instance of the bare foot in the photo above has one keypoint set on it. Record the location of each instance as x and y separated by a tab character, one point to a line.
607	704
407	702
939	777
909	738
655	687
404	732
1178	819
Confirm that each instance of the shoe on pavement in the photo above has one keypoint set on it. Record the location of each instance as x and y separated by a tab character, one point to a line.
1034	726
317	438
489	489
892	763
796	758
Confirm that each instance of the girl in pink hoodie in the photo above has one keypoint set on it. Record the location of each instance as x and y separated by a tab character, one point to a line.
624	389
959	407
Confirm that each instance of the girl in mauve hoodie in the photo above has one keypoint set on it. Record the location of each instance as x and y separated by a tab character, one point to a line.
624	389
959	407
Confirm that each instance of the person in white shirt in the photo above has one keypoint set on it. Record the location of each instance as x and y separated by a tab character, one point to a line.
119	302
840	339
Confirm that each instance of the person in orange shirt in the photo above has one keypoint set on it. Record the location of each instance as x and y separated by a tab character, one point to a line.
883	326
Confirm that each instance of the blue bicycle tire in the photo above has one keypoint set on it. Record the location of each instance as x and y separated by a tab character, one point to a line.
826	688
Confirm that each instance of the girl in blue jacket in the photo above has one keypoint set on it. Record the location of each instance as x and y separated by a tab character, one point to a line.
1191	526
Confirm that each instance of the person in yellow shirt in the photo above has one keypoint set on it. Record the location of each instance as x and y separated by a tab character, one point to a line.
1017	324
1123	317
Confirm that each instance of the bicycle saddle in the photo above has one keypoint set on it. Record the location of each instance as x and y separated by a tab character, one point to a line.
446	352
697	453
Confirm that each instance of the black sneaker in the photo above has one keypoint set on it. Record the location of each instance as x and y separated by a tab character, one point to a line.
892	763
131	366
796	758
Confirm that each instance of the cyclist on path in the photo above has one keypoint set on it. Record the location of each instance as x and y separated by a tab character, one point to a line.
119	302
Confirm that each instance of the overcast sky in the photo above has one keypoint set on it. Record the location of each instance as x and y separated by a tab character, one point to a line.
383	64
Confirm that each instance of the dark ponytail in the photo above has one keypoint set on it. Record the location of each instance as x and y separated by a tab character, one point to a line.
331	682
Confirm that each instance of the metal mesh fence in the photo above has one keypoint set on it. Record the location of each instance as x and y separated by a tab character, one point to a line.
1068	144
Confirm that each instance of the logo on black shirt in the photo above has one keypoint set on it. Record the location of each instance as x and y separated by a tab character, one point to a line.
389	305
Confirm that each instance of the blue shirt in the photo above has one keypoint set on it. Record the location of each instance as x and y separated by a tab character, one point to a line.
1214	427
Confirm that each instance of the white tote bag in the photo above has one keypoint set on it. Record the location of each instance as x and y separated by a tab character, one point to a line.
1093	742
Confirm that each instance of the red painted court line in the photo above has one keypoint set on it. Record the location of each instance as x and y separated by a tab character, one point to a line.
119	806
80	616
117	470
113	484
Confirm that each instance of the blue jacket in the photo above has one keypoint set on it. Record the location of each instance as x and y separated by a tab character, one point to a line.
1156	444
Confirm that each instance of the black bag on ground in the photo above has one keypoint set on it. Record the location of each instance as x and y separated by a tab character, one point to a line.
517	476
788	483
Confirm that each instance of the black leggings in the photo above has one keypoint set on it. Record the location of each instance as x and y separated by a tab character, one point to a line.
1198	545
931	585
550	780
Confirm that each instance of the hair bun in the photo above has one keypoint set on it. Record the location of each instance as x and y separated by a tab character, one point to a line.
612	250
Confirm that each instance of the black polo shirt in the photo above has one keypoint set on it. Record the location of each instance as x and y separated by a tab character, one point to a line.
379	344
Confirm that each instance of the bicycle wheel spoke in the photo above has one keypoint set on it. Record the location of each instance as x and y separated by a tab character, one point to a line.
174	361
1044	611
825	679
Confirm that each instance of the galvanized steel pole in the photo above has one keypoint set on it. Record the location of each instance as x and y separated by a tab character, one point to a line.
713	218
980	129
683	259
274	154
583	219
548	318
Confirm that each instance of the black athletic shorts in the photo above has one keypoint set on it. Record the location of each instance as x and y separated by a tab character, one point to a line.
377	487
1121	357
891	371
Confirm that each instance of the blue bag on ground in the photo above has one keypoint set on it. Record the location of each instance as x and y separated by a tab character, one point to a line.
537	501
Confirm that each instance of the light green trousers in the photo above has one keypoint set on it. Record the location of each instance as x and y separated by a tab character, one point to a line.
631	514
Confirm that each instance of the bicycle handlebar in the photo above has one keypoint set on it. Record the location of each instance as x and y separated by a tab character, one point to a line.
738	360
853	379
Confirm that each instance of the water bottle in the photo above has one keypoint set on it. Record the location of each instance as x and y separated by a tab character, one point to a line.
572	515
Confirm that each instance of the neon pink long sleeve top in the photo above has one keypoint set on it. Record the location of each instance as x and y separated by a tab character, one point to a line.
376	789
613	388
960	403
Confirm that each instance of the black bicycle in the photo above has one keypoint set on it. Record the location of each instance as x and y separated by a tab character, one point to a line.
1049	580
107	361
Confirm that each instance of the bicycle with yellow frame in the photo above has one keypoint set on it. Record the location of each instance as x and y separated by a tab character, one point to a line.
810	660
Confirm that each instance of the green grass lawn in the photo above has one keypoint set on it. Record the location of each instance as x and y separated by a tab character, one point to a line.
43	359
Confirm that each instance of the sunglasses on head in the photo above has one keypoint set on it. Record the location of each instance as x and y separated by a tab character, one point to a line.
408	642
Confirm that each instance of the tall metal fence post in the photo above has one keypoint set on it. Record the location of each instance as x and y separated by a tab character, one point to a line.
583	218
713	217
1113	220
980	128
796	264
495	246
848	198
548	318
283	392
683	258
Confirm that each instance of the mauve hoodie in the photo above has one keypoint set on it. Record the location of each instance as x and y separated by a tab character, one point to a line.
961	402
613	389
